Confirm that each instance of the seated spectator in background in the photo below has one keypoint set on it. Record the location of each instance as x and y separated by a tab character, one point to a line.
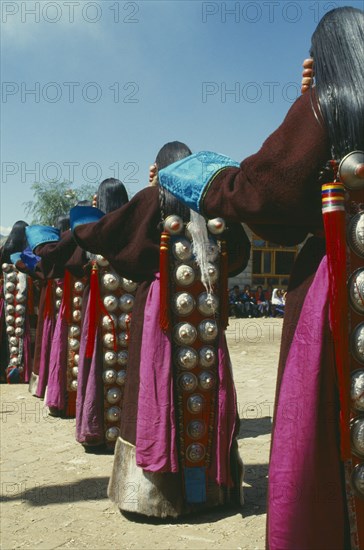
277	303
249	301
236	304
262	302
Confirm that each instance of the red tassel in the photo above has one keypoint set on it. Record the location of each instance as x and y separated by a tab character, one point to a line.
48	302
94	300
71	404
164	315
66	309
333	208
224	296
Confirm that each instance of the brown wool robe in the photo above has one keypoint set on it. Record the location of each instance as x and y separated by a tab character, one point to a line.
129	238
55	258
277	192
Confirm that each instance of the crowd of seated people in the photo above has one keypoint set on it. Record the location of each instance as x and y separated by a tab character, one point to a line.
254	304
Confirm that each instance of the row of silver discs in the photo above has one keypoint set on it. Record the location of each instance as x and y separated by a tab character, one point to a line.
348	171
118	300
356	297
195	353
74	334
15	296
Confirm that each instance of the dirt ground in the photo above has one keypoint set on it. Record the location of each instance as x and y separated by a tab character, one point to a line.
54	494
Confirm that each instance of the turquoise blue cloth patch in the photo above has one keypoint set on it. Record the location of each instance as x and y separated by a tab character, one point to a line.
195	485
41	234
15	257
80	215
187	179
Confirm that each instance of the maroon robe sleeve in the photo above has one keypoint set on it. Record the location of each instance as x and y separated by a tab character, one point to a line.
276	190
58	256
128	237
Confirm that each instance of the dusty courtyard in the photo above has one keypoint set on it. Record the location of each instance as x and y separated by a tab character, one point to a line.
54	494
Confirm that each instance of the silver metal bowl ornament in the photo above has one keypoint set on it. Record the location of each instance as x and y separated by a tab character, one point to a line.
356	290
12	277
113	414
20	309
78	286
128	285
74	344
74	372
126	302
183	303
76	315
110	281
59	291
357	480
74	385
101	261
9	287
122	358
357	343
124	321
206	380
356	234
182	250
351	170
108	340
20	298
216	226
207	303
19	331
121	377
112	434
185	275
196	429
109	322
185	333
10	319
357	436
110	358
113	395
10	330
187	382
7	268
207	330
195	403
213	273
187	358
74	331
195	452
357	390
110	302
77	301
19	321
109	376
10	309
173	225
207	356
9	298
76	358
123	339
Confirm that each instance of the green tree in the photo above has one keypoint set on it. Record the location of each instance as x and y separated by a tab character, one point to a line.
53	199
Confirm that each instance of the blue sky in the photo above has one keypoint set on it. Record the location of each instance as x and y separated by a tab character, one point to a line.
93	89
